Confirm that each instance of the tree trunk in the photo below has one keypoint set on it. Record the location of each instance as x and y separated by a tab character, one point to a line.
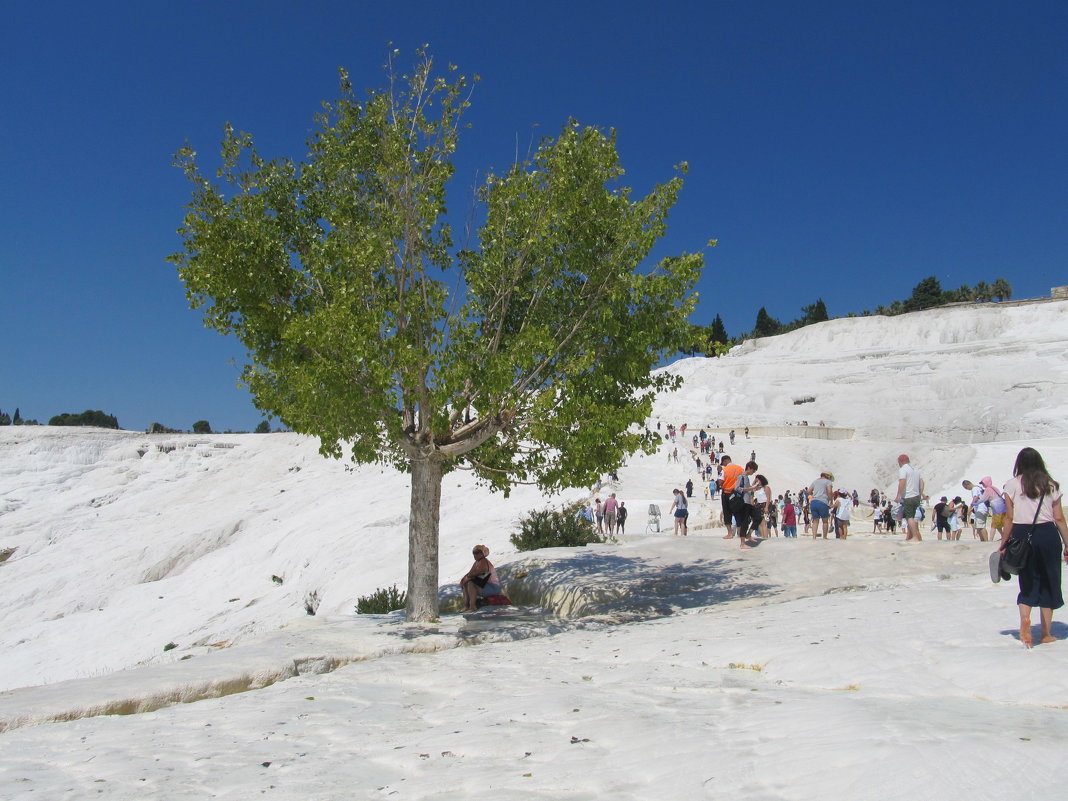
423	540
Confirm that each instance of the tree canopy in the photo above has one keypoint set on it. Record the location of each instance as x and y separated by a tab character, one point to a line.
766	325
524	357
89	417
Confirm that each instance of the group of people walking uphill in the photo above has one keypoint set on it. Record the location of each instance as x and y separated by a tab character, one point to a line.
1028	508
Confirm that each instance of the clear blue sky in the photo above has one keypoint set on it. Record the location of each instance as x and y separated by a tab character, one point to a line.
843	150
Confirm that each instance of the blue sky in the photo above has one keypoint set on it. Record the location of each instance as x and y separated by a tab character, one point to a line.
843	150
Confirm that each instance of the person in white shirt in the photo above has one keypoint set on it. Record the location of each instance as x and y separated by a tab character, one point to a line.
909	490
843	511
681	512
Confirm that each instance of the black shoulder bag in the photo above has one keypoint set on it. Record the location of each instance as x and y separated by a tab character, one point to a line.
1017	551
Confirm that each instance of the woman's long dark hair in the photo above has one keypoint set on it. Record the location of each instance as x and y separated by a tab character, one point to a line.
1034	477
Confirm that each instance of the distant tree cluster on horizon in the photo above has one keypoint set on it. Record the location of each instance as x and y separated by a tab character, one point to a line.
89	417
100	419
712	340
7	420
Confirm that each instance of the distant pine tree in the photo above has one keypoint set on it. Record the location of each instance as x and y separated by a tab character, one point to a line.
925	295
717	332
815	313
766	325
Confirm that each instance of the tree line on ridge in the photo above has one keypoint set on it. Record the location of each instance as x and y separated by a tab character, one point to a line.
712	340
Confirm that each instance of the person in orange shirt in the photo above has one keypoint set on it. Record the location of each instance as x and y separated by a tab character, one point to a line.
726	485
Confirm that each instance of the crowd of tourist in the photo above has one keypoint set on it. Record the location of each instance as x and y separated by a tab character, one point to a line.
1028	506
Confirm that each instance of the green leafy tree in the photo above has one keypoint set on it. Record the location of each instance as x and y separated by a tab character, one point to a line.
695	340
263	428
720	349
5	419
201	427
524	358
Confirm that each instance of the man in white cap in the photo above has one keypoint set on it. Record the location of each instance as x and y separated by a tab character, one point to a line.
909	492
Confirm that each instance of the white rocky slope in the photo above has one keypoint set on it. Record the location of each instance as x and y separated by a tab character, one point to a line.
833	669
957	374
123	543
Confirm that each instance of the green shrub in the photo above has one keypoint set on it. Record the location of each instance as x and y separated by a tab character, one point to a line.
381	601
555	528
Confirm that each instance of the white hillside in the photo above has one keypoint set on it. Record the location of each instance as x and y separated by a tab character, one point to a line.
957	374
126	542
138	572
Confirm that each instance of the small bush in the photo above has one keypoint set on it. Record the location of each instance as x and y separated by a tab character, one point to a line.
555	528
381	601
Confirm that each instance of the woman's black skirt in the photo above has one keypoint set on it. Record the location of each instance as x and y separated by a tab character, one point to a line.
1040	580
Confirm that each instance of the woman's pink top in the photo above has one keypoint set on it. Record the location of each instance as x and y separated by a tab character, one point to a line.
481	566
1023	508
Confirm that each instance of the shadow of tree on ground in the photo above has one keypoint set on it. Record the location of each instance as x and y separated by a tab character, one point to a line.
592	583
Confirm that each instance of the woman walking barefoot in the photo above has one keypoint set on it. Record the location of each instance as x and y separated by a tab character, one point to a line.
1033	497
681	512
